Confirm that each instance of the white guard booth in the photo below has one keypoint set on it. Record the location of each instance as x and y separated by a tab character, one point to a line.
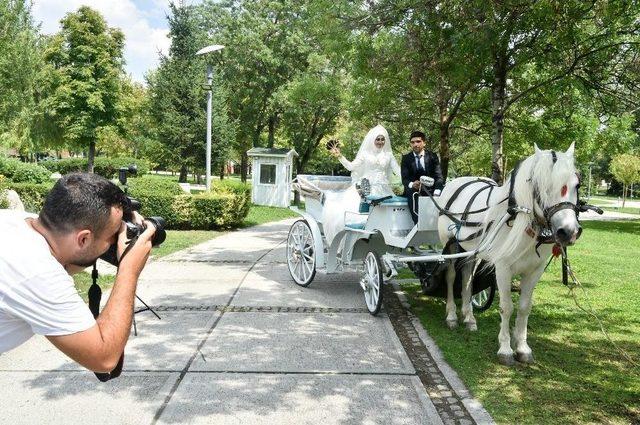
271	171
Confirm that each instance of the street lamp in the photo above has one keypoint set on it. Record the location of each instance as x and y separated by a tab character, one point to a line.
204	51
590	164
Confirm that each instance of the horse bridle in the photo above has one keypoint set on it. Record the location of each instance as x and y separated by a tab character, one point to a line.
547	212
545	234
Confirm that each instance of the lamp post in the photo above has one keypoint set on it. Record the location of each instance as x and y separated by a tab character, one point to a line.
204	51
590	164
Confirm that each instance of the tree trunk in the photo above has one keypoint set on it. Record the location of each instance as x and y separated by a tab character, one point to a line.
92	155
445	154
497	119
624	194
272	131
183	174
222	170
244	163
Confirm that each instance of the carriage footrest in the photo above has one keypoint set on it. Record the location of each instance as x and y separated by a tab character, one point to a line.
356	226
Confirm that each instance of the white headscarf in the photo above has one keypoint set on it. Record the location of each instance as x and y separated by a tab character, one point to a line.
368	149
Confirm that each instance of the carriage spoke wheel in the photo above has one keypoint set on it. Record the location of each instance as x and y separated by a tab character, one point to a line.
482	300
301	257
372	282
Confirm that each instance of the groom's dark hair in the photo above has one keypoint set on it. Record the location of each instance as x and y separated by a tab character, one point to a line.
418	133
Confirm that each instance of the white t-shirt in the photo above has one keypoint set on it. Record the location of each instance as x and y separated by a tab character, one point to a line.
37	296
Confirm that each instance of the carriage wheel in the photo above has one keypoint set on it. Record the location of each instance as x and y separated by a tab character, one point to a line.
372	282
482	300
301	256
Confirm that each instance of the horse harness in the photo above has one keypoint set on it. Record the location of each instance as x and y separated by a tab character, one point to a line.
541	224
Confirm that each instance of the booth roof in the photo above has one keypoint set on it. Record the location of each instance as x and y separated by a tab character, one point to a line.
271	152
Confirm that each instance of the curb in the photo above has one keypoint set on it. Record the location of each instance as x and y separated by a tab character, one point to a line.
473	406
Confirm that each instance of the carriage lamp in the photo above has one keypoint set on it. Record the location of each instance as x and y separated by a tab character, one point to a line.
426	181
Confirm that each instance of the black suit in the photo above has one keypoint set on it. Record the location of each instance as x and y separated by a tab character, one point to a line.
411	173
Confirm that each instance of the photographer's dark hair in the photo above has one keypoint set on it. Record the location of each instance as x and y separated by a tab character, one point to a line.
81	201
418	133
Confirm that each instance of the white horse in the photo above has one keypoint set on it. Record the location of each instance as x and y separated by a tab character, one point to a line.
542	194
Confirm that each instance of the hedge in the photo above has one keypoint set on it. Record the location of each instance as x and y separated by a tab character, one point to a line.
106	167
225	207
204	211
22	172
152	185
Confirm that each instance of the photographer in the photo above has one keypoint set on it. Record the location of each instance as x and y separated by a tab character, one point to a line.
81	218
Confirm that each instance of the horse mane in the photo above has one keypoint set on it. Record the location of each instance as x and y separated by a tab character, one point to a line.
535	171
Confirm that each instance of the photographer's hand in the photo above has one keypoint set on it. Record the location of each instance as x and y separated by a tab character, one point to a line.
136	256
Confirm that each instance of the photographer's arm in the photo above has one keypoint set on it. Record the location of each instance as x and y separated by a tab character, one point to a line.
100	347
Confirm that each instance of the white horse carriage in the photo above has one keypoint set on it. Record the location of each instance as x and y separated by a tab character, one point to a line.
377	239
471	239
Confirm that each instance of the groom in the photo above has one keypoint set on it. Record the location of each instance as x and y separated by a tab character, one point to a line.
419	162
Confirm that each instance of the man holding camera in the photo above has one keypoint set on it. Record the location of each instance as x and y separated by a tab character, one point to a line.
418	163
81	219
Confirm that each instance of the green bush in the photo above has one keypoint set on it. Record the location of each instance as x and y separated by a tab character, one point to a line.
225	207
214	210
242	191
106	167
22	172
32	194
152	185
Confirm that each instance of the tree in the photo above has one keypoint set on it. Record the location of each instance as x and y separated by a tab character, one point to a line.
416	63
266	47
312	103
87	58
19	60
177	94
626	169
536	44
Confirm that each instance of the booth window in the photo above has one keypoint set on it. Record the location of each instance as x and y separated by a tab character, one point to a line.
267	173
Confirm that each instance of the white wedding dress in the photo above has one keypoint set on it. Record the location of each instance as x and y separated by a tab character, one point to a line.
376	165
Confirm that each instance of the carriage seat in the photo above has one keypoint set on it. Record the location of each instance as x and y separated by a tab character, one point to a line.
393	201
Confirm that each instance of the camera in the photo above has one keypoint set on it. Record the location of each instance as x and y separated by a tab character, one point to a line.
133	229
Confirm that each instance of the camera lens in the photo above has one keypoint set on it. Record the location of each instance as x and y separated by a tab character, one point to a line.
160	235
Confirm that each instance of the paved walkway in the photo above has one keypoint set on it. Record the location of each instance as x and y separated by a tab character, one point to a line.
240	343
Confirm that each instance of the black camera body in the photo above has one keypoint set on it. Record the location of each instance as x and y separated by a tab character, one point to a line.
134	230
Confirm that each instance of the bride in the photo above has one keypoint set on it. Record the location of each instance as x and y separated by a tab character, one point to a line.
375	162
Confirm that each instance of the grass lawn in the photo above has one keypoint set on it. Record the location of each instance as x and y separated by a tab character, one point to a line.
181	239
579	376
260	214
604	200
622	210
190	178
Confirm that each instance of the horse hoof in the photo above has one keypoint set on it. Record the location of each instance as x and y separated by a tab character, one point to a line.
452	324
471	326
524	357
506	359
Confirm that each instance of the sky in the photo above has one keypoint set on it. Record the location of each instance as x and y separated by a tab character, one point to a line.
143	22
